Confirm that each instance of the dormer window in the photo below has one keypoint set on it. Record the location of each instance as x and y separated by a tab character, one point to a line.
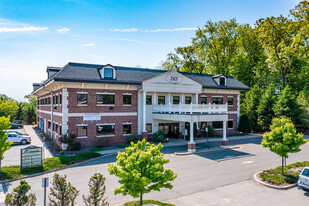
222	81
108	72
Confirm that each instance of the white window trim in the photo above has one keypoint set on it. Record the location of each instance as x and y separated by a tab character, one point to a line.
82	92
108	67
105	124
105	93
126	123
127	94
80	105
127	105
151	128
223	77
105	135
108	105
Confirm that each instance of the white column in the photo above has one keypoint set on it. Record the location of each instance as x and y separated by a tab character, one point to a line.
238	109
155	101
196	98
182	98
224	131
191	132
144	111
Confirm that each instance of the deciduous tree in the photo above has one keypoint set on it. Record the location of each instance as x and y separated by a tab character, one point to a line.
140	170
4	144
283	138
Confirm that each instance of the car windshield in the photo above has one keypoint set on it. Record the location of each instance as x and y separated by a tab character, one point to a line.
305	172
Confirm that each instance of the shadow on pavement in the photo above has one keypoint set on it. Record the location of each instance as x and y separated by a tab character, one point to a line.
225	155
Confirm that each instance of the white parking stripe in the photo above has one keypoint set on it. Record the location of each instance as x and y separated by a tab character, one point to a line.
2	195
247	162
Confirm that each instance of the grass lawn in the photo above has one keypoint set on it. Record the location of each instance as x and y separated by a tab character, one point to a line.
291	173
11	172
123	145
146	202
96	149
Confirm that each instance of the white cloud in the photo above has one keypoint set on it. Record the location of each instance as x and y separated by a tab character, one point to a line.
63	30
22	29
151	31
87	45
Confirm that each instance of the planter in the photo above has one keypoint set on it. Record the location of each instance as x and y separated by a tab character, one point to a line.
64	146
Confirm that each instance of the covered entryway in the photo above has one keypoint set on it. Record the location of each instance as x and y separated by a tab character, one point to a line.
170	129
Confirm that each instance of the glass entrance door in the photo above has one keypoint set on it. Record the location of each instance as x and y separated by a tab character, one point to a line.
170	129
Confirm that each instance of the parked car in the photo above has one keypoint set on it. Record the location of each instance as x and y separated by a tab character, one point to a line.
303	180
16	126
19	139
15	132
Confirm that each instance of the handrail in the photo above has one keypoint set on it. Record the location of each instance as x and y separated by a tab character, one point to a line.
190	108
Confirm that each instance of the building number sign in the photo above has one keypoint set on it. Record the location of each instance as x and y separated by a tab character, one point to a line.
174	79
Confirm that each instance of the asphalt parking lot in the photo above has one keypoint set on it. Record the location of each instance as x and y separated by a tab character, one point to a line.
12	156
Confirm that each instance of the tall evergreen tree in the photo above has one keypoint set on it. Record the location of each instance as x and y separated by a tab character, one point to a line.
62	193
97	191
250	104
265	110
287	106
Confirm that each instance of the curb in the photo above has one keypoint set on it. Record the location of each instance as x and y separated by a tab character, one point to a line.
256	179
50	171
206	152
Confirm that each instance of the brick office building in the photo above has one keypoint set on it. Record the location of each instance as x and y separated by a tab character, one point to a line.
105	103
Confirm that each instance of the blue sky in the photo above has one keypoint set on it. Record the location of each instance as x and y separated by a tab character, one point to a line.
35	34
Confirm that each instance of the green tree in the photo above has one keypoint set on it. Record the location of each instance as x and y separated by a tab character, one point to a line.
250	104
19	196
265	110
244	124
8	106
97	191
283	138
303	101
62	193
4	144
287	106
140	170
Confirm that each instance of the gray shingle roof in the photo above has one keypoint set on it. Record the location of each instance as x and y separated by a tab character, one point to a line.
78	72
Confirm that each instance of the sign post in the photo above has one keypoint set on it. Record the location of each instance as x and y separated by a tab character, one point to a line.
45	183
206	130
31	156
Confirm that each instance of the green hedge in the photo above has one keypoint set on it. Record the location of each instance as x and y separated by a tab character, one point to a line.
148	202
11	172
274	176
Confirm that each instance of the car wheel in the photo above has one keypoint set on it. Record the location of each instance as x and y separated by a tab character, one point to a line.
24	141
19	127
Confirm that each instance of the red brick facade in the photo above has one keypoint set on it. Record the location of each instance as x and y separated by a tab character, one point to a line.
120	117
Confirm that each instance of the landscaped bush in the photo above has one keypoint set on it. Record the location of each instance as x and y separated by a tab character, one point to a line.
159	136
148	202
11	172
211	131
76	145
274	176
96	149
244	124
133	138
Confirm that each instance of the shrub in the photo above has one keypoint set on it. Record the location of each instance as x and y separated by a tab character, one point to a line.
159	136
133	138
211	131
76	146
61	152
244	124
19	195
96	149
148	202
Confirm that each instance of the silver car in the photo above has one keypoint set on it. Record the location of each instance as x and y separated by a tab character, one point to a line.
20	139
15	132
303	180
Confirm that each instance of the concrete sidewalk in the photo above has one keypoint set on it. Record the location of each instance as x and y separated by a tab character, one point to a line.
182	142
35	140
